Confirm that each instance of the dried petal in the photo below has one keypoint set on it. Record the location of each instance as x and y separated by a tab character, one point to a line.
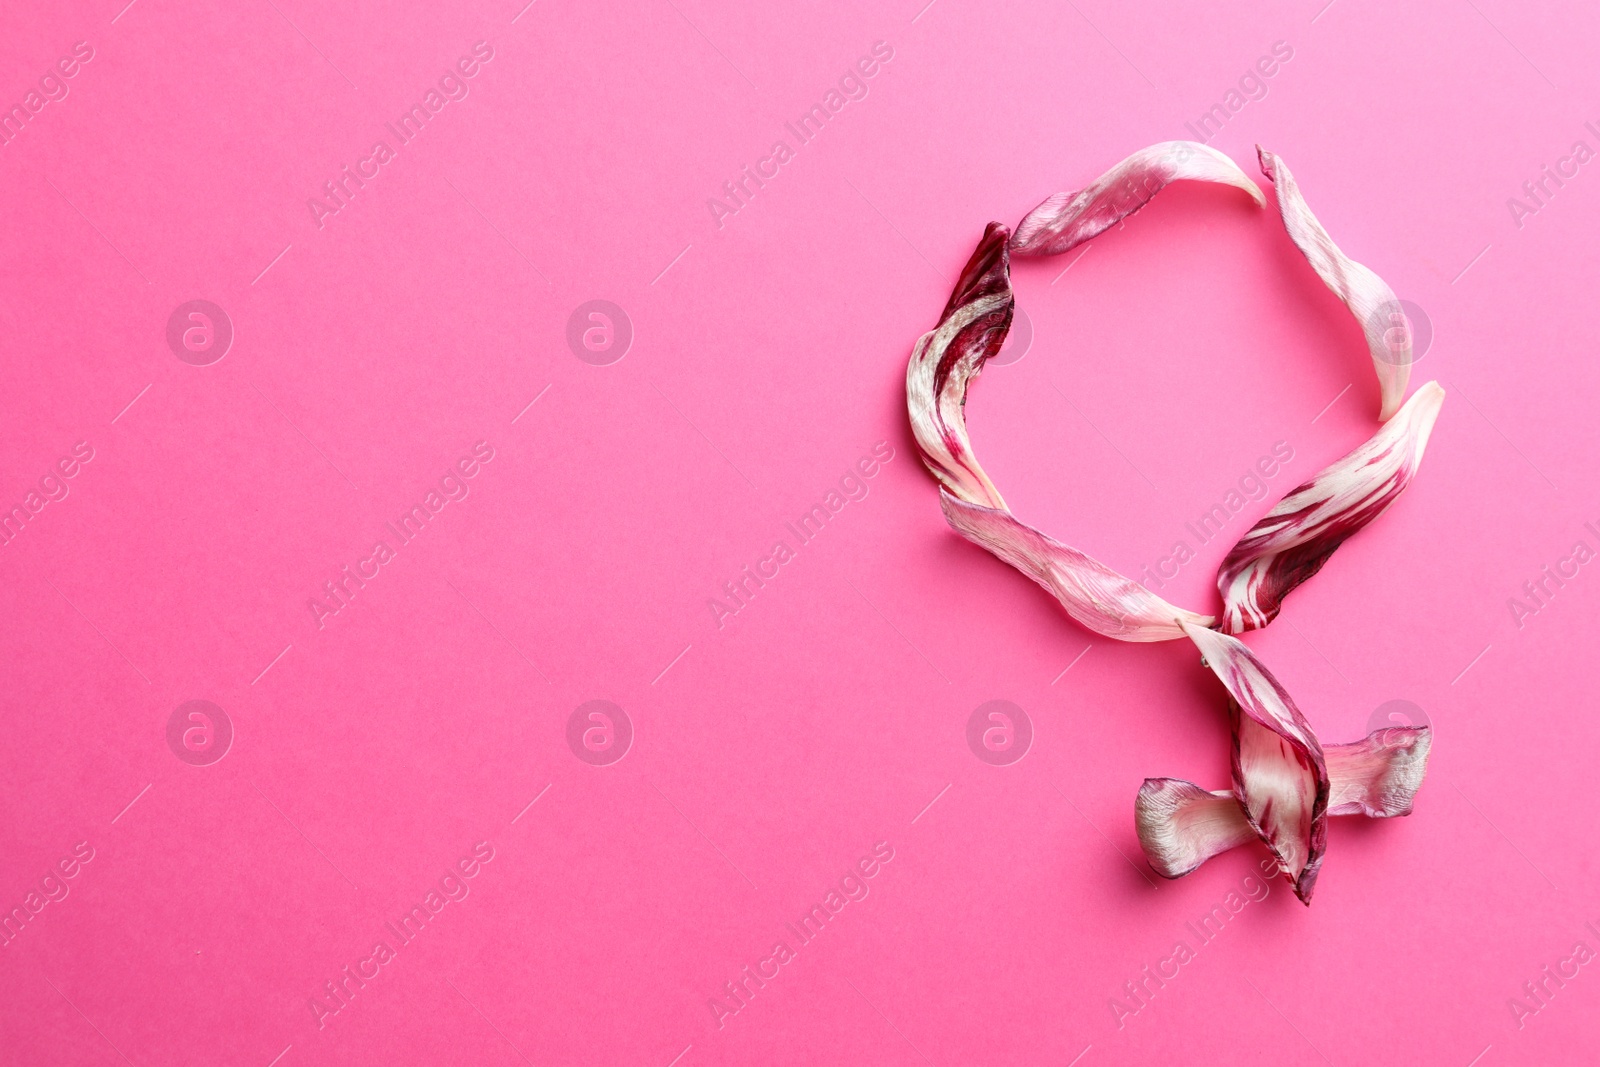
946	359
1294	539
1284	784
943	363
1068	219
1379	775
1368	296
1279	773
1093	594
1181	825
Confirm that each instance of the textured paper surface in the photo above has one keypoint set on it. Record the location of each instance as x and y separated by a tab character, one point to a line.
839	721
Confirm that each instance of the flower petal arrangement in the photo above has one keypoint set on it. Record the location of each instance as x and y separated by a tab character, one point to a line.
1286	782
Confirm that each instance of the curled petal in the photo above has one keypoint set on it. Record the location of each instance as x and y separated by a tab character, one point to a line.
1279	773
1379	775
1368	296
1095	595
943	363
1181	825
971	329
1068	219
1294	539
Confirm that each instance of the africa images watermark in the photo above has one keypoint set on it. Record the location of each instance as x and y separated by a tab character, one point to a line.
53	487
852	86
1541	989
1537	592
53	88
852	888
1252	85
342	590
452	888
752	578
52	889
1251	485
1138	992
340	191
1538	192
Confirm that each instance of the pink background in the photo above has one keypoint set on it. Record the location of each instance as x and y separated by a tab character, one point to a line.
772	753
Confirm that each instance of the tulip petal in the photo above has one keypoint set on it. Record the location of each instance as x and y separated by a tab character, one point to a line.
1095	595
1068	219
946	359
1279	773
1368	296
1294	539
1379	775
1181	825
943	363
1285	784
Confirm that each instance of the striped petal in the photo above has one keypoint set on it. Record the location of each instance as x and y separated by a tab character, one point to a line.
1095	595
1181	825
1379	775
1280	775
943	363
1294	539
946	359
1368	296
1068	219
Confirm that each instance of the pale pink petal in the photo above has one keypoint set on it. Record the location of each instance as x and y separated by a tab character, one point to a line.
1294	539
1093	594
1379	775
946	359
1068	219
1181	825
944	362
1368	296
1279	773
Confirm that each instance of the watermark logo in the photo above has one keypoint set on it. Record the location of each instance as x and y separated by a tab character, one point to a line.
1406	329
1017	342
599	333
1392	713
199	332
199	733
599	732
999	733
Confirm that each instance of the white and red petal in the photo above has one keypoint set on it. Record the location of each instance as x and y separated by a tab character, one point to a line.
1285	785
1068	219
972	328
1095	595
1279	773
1181	825
1379	775
1368	296
1295	538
